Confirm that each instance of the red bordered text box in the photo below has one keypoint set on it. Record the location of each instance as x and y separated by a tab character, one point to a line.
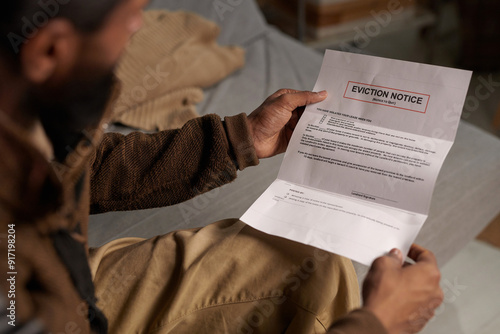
402	105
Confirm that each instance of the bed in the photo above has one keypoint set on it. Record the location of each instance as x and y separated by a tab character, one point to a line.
466	197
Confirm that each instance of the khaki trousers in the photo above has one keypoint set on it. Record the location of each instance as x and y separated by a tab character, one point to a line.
223	278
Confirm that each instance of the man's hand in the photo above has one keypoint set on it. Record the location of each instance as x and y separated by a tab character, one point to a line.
403	298
272	124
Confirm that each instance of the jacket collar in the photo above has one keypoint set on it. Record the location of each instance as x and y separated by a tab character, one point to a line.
29	185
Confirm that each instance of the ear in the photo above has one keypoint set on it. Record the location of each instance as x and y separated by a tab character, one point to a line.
51	52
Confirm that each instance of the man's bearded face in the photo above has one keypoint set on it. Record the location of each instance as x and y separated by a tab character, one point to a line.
72	106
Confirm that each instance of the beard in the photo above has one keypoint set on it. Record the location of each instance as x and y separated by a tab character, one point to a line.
69	108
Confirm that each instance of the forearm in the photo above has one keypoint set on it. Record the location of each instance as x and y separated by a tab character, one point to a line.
142	171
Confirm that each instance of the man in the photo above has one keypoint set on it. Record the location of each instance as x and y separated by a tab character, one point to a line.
225	278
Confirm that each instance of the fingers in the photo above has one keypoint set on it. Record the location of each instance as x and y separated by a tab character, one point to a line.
283	92
407	264
296	98
304	98
396	253
394	259
417	253
299	111
420	254
426	262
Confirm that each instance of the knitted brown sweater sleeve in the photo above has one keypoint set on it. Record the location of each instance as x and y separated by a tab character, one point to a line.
141	171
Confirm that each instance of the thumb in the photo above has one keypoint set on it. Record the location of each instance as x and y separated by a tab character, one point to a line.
300	99
396	254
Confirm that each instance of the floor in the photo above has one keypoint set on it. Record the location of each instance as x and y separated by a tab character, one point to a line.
471	279
471	287
491	234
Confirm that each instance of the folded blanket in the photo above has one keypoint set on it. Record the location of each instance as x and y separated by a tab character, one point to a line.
165	67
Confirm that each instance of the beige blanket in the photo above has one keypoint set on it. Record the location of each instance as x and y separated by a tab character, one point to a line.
165	67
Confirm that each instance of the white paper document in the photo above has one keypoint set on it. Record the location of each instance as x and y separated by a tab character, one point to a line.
358	176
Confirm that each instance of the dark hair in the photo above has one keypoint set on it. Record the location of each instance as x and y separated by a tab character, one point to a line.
21	19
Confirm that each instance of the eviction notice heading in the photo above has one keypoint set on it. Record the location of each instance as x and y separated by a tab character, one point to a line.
358	176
